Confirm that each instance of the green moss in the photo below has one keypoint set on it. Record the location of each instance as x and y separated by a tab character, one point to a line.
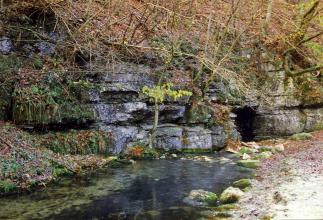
263	155
195	151
9	63
245	150
318	127
243	183
201	113
211	198
75	142
226	207
38	62
7	186
41	105
61	171
249	163
301	136
265	148
266	217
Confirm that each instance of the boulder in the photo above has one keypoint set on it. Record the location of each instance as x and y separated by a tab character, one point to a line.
120	136
249	163
200	197
246	156
231	195
264	155
241	184
279	148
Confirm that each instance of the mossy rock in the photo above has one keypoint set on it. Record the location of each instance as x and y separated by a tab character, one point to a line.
201	198
264	155
249	163
241	184
265	148
246	150
301	136
226	207
231	195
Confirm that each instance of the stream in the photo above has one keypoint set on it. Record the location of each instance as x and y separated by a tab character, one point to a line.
145	190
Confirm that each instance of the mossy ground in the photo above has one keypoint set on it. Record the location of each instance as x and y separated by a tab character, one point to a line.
26	163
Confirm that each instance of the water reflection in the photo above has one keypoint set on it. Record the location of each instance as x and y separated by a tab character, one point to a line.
146	190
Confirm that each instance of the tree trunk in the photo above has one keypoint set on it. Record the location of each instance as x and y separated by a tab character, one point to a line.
152	140
268	18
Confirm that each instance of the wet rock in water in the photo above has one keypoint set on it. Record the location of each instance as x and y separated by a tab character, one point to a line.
174	155
301	136
241	184
231	195
279	148
200	198
6	45
249	163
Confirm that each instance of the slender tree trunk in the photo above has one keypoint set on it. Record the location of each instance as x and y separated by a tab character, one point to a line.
268	18
152	140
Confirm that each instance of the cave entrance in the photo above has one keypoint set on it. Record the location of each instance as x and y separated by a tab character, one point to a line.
244	121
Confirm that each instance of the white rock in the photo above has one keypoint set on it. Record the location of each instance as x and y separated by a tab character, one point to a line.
279	148
246	156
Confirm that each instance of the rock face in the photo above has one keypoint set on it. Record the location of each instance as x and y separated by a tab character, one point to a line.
127	115
285	111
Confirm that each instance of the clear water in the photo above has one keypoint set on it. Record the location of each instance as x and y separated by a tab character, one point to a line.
145	190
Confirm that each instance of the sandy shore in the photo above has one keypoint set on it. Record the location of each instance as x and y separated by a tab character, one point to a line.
289	185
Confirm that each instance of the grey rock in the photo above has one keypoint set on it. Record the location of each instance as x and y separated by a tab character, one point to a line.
278	123
197	138
6	45
314	119
127	77
120	136
169	137
200	197
45	48
171	113
219	137
121	113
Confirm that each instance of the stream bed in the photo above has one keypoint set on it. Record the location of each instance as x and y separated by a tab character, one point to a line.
145	190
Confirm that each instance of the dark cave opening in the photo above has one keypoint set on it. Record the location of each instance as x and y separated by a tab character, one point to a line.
244	121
